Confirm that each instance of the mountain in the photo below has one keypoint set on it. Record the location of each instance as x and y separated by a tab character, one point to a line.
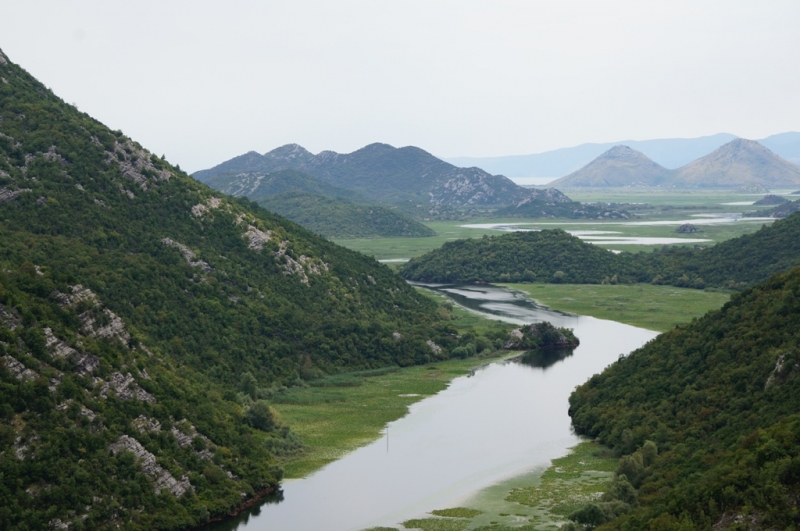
318	206
706	417
617	167
145	320
739	162
256	186
555	256
671	153
407	176
339	218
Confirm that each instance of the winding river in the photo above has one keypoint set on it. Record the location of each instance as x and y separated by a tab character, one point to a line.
504	420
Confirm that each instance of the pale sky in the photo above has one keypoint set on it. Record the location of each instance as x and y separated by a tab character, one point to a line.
203	81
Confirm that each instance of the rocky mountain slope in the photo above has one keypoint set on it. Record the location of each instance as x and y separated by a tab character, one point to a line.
407	176
145	319
619	166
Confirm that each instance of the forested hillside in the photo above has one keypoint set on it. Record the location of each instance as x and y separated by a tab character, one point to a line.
556	256
145	318
339	218
318	206
718	399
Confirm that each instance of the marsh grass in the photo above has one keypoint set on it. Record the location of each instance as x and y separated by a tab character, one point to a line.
437	524
335	420
658	308
570	483
457	512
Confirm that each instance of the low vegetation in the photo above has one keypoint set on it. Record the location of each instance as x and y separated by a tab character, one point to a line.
659	308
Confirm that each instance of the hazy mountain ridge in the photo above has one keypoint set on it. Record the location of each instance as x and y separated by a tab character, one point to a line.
407	175
737	164
671	153
619	166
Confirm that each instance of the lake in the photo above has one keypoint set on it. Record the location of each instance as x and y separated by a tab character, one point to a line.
504	420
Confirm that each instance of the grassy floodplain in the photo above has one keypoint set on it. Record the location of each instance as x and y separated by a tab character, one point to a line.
658	308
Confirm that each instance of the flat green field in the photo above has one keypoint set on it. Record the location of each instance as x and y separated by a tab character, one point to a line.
657	308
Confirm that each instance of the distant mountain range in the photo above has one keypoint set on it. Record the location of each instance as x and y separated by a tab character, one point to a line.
671	153
408	179
736	164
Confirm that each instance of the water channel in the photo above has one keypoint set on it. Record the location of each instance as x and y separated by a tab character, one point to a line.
505	420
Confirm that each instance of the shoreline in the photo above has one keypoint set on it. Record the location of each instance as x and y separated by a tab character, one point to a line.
248	503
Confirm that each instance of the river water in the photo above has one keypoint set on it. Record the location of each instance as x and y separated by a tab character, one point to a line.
504	420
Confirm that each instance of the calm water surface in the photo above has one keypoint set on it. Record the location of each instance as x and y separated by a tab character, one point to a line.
506	419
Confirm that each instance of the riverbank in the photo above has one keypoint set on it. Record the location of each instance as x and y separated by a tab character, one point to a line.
539	500
658	308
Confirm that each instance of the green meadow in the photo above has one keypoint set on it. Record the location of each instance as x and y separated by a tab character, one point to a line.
658	308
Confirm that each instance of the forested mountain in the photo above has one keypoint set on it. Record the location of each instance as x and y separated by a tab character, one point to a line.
145	317
318	206
556	256
257	186
739	163
339	218
718	399
407	176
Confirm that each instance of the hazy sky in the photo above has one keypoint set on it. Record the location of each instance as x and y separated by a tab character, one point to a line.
204	81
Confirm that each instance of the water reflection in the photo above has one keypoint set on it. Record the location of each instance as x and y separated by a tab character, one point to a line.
542	359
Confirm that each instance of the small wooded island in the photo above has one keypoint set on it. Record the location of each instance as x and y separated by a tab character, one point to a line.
541	336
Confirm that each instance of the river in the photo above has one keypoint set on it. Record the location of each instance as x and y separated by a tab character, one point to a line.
505	420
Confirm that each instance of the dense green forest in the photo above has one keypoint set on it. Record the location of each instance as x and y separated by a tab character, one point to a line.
556	256
340	218
707	419
146	321
318	206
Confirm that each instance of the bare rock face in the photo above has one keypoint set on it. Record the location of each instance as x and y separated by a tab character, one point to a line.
188	254
124	386
7	194
687	228
436	349
114	329
147	461
18	370
201	209
257	238
135	164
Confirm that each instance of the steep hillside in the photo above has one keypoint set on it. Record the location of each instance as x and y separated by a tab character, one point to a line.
144	318
257	186
719	401
340	218
405	175
318	206
555	256
619	166
738	163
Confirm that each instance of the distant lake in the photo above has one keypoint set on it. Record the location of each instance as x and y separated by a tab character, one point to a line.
505	420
